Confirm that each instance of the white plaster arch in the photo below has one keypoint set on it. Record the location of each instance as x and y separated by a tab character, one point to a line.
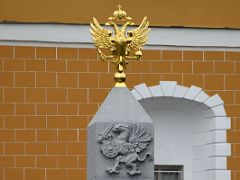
209	148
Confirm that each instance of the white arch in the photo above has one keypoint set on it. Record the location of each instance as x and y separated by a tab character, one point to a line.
217	148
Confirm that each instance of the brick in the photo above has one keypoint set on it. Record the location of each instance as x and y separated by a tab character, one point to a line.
237	97
56	148
82	135
232	56
80	122
25	135
46	109
213	82
6	79
46	135
77	95
151	55
14	148
87	109
161	67
1	122
57	174
77	174
203	67
88	80
67	109
233	136
13	95
35	65
35	148
1	95
77	66
77	148
6	109
193	55
67	135
35	122
13	174
57	122
6	135
172	77
24	52
14	122
213	55
140	67
131	80
105	81
233	163
44	79
25	109
237	120
36	174
151	79
237	67
189	80
82	161
56	65
182	67
67	53
6	51
34	95
67	79
25	79
6	161
67	161
45	52
97	95
232	82
224	67
237	150
87	53
227	96
13	65
56	95
46	161
171	55
25	161
233	110
98	66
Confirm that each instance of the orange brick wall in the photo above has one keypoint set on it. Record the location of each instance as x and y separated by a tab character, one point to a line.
48	96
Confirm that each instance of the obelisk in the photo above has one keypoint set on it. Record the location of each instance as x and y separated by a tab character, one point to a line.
120	135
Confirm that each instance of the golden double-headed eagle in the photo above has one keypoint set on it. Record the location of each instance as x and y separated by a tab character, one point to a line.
122	45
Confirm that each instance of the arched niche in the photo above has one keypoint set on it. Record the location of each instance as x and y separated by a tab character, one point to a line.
190	129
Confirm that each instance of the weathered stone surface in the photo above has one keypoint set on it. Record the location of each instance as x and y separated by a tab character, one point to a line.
120	134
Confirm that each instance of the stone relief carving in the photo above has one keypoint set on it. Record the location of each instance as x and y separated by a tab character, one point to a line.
123	143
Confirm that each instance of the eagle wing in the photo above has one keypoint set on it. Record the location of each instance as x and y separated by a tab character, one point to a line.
139	138
139	35
100	36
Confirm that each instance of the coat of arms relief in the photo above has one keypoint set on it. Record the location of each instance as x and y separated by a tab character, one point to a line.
124	143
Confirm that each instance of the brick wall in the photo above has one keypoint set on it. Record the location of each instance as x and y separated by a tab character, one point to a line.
48	96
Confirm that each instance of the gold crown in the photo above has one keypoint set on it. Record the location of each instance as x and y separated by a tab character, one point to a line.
119	15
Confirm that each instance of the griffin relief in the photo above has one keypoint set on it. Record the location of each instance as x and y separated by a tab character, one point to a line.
123	143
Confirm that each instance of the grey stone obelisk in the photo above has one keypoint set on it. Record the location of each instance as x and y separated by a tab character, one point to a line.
120	140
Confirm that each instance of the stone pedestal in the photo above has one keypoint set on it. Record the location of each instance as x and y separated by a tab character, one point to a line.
120	140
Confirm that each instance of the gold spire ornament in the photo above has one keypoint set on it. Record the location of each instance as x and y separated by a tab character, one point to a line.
122	45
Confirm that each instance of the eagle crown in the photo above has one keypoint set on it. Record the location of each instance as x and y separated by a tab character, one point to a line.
123	44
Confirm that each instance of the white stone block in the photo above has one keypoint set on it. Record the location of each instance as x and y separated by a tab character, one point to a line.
219	149
180	91
217	163
201	97
168	87
218	123
156	91
192	92
143	90
220	174
214	101
217	136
